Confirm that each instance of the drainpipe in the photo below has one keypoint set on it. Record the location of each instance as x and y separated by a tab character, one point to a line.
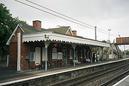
46	55
18	51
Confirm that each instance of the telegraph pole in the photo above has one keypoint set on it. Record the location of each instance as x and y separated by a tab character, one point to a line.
95	33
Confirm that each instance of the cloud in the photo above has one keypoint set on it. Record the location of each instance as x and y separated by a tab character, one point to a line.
107	14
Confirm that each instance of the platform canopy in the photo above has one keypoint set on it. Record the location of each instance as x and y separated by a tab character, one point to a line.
49	36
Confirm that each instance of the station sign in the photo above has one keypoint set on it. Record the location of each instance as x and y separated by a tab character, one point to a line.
122	40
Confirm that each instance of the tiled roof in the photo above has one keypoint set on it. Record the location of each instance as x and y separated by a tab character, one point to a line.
30	29
60	30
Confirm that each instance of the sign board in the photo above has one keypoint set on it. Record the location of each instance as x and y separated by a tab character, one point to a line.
122	40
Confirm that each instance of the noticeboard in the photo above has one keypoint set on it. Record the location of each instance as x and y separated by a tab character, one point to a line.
122	40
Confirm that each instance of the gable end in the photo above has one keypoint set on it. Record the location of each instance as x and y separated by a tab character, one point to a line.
18	26
69	32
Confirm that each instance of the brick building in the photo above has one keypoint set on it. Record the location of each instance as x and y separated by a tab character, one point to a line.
33	47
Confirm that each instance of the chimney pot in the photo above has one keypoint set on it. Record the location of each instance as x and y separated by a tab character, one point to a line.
74	32
37	24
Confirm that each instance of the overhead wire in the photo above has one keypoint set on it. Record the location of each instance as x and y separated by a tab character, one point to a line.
91	26
60	15
52	14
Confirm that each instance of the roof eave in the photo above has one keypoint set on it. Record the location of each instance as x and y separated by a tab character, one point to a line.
8	42
62	38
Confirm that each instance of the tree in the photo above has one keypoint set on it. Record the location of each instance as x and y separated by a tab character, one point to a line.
7	25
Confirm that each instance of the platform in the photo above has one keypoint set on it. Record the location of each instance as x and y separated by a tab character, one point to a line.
123	82
23	76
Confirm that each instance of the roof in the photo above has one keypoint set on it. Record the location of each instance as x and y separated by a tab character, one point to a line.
49	36
60	29
30	29
18	26
54	34
27	29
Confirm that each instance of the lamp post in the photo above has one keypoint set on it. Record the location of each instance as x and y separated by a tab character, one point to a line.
109	30
95	33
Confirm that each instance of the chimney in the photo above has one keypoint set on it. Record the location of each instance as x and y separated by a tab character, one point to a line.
74	32
37	24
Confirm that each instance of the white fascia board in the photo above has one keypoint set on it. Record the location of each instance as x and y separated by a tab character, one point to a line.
34	37
62	38
7	43
77	40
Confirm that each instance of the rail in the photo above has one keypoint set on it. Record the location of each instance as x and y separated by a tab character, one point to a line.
89	78
96	71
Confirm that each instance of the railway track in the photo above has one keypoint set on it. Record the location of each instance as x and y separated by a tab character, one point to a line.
114	80
93	75
98	78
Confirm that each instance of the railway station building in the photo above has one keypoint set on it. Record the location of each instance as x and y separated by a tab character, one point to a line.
32	47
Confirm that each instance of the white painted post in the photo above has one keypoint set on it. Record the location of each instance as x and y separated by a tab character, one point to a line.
102	53
74	56
46	56
74	46
7	61
18	51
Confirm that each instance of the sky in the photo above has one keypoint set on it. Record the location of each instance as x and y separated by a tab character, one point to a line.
105	14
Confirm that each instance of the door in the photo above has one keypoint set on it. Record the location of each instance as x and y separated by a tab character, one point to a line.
65	56
37	55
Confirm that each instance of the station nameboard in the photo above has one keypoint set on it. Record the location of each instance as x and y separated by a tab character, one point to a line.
122	40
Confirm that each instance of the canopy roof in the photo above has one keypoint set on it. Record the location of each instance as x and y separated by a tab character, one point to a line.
49	36
54	34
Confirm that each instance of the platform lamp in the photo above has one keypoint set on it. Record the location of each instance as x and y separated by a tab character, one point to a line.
95	32
109	30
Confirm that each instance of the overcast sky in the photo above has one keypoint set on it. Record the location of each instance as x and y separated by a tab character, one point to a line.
105	14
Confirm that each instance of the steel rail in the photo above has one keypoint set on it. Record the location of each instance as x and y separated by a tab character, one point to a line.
85	77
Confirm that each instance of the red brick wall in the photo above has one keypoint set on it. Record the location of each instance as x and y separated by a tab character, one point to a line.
24	56
13	55
13	52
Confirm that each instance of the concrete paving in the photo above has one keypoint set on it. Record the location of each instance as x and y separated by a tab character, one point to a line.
123	82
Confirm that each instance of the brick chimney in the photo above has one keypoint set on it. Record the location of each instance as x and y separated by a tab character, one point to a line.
37	24
74	32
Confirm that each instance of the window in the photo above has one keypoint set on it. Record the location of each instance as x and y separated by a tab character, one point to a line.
31	57
71	54
32	54
54	53
60	55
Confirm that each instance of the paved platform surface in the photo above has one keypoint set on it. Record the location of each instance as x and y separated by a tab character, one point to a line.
123	82
11	76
